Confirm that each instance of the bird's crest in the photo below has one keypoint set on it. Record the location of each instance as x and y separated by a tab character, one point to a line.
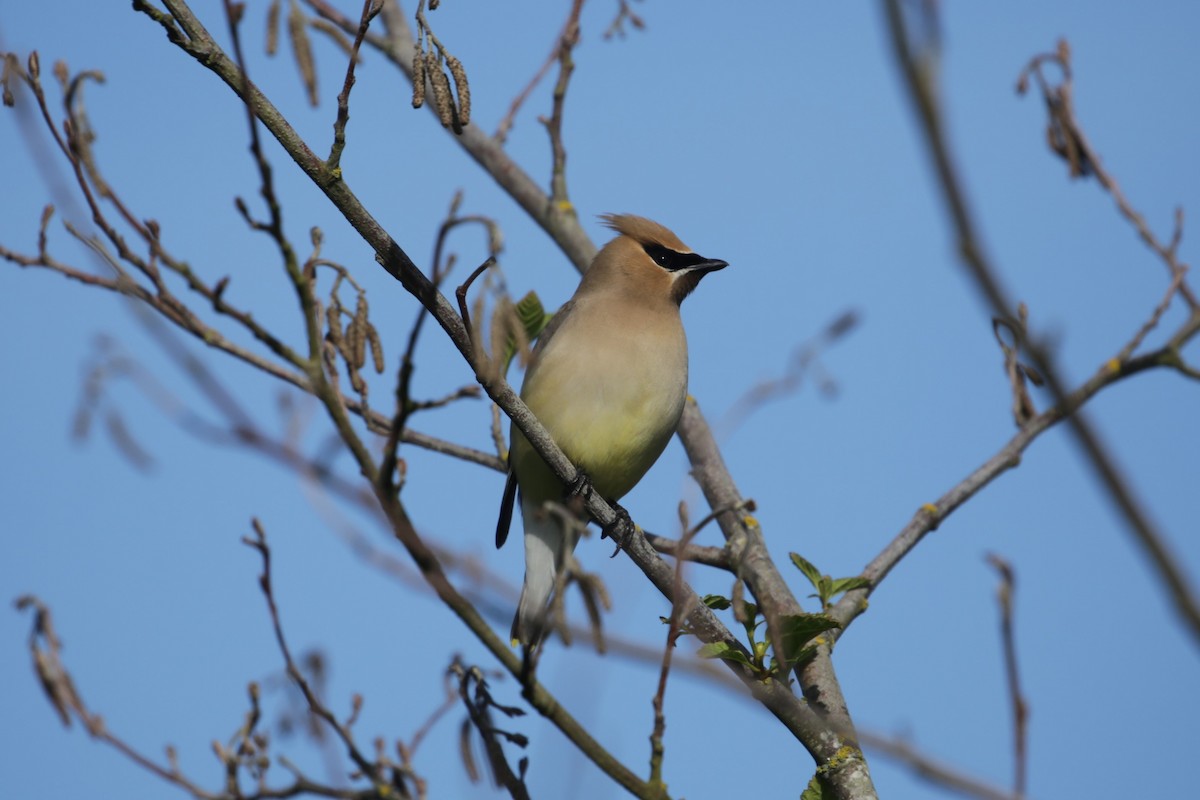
644	231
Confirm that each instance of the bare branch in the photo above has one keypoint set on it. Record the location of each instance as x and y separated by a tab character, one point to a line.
1020	707
566	65
370	10
936	772
368	769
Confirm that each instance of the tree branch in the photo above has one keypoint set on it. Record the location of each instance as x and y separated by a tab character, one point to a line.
916	66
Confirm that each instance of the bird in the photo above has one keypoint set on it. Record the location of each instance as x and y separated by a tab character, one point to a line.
608	380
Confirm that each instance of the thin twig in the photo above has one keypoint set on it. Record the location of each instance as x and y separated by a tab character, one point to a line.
370	11
315	705
566	65
464	312
1069	141
657	749
930	515
1131	347
717	557
1012	672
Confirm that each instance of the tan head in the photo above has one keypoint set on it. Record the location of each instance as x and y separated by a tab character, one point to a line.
647	261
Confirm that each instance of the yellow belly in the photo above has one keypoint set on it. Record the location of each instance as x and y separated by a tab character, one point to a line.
612	428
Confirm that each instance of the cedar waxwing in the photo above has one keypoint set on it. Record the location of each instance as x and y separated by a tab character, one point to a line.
608	380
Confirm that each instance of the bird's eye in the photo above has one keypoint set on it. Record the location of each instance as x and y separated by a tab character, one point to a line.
669	259
660	254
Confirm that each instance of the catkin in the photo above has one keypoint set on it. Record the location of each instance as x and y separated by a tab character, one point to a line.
418	79
464	90
441	90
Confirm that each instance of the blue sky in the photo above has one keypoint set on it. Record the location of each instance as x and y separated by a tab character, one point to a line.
775	137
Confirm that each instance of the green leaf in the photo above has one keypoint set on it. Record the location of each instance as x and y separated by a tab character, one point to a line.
533	318
813	791
724	651
802	657
716	602
799	630
848	584
825	589
532	314
812	573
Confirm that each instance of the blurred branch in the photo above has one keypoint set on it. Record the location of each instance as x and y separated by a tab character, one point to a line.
1018	372
625	13
477	697
245	755
1020	707
917	62
805	359
717	557
936	772
572	24
75	147
315	705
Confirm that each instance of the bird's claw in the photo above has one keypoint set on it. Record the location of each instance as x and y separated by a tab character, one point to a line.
619	530
580	486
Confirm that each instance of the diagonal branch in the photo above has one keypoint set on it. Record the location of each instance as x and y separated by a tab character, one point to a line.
916	67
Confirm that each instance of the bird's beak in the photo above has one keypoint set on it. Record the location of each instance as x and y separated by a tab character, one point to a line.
708	265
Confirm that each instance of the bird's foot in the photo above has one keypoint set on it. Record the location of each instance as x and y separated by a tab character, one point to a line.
619	530
581	486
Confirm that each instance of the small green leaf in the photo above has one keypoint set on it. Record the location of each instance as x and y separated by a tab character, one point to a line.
532	314
802	657
848	584
799	630
533	318
716	602
812	573
825	589
723	651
